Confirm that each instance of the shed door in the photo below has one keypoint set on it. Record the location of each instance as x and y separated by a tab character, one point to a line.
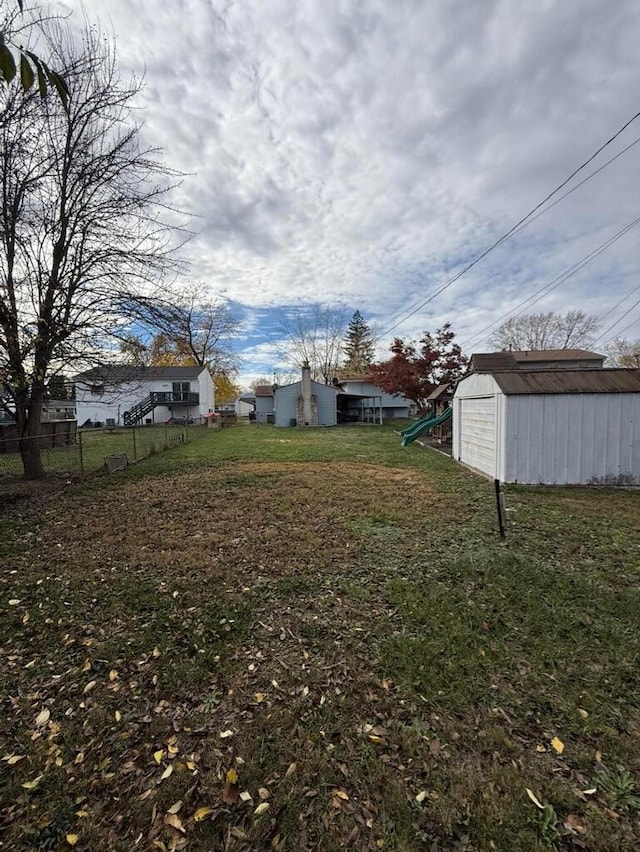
478	433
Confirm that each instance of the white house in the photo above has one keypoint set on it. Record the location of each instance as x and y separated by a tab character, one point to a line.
554	426
128	395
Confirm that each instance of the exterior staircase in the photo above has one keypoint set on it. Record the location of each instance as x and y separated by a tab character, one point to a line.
153	400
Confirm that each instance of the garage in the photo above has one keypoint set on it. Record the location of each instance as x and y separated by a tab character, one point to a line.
556	427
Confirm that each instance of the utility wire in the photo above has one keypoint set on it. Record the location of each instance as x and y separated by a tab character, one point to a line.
614	324
617	305
552	285
512	230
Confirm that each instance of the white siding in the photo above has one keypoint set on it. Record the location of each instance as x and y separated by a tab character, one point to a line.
573	439
207	393
478	433
478	424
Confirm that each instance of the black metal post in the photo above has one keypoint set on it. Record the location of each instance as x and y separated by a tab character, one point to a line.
496	482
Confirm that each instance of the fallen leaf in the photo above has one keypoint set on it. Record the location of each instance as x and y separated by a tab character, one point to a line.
158	755
12	759
174	821
167	772
43	717
259	697
14	602
291	770
422	795
72	839
157	652
232	776
583	713
590	791
175	807
340	794
575	823
113	674
202	813
118	716
262	807
557	744
225	734
89	687
31	785
536	801
246	796
598	756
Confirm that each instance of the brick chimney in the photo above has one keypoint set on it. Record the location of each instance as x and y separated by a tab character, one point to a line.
307	415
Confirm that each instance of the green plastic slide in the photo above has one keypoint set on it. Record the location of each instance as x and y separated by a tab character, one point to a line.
417	424
423	426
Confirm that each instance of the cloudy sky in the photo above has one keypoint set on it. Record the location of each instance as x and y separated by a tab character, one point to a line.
362	152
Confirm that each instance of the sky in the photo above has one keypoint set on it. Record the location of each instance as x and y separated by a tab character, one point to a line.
359	154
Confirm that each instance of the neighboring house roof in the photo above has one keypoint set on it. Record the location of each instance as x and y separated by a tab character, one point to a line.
441	390
365	377
568	381
532	357
246	397
264	390
116	373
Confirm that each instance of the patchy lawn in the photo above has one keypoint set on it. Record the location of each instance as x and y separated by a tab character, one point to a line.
289	640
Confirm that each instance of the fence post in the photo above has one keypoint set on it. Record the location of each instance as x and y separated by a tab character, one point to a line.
81	455
135	453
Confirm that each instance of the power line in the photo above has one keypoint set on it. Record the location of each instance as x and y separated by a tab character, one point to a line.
552	285
614	324
617	305
513	229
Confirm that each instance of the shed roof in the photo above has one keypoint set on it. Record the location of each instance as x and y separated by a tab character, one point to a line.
568	381
118	373
441	390
487	362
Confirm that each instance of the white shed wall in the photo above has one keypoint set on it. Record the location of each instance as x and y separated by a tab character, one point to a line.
573	439
478	424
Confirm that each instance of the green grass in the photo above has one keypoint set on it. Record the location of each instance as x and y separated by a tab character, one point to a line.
392	674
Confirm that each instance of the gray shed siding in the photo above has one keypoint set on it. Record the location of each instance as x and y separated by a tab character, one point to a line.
573	439
286	397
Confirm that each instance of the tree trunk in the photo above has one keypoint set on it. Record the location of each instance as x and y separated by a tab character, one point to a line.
30	452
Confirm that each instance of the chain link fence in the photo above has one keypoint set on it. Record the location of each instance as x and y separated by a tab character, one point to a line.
92	450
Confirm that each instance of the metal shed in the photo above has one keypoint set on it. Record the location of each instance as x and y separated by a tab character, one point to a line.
556	427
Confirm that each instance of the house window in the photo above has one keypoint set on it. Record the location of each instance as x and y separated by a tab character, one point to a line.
97	390
180	389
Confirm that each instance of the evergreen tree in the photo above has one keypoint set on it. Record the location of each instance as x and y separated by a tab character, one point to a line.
358	347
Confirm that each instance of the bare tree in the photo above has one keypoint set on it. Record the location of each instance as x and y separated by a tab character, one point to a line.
315	336
82	220
572	330
189	328
623	353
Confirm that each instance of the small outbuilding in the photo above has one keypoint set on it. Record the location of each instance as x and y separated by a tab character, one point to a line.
554	426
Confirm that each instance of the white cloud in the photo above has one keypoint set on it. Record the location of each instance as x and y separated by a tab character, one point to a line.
362	153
